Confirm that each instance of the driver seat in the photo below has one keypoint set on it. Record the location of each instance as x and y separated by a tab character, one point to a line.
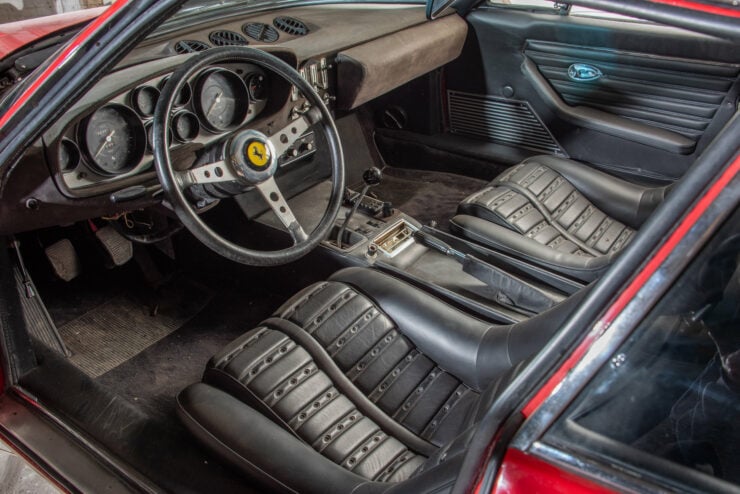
356	384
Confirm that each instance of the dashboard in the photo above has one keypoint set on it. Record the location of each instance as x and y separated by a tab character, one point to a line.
113	140
101	147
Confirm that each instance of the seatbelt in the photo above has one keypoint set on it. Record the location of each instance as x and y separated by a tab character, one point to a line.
506	288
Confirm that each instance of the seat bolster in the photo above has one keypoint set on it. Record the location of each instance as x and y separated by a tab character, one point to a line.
255	445
443	333
626	202
520	341
510	242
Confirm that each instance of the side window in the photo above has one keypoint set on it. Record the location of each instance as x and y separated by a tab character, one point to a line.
668	403
575	10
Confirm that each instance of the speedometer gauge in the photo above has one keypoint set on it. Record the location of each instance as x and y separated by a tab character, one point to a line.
114	139
221	100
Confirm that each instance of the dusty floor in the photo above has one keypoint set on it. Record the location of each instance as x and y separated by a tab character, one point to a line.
17	477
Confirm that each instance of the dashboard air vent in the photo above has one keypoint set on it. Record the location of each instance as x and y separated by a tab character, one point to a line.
261	32
290	25
190	46
227	38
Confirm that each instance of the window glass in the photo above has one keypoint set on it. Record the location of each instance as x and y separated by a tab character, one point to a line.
19	10
670	397
575	10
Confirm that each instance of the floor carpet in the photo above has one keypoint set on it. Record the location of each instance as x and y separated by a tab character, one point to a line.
124	326
426	195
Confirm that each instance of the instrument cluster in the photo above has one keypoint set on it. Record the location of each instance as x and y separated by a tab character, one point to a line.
113	141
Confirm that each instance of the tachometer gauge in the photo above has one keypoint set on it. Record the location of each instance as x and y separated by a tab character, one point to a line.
114	139
185	126
221	100
257	86
144	100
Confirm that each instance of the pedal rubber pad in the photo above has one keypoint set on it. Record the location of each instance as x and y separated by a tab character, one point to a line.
119	248
64	260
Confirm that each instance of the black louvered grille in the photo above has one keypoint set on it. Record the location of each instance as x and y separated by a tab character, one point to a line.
227	38
190	46
290	26
499	120
261	32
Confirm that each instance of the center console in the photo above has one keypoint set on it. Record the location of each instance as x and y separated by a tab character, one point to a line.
492	284
371	232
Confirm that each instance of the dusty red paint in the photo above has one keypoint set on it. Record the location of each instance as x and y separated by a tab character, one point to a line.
702	7
61	59
15	35
525	474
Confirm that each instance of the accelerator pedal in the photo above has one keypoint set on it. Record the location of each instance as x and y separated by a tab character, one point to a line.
119	248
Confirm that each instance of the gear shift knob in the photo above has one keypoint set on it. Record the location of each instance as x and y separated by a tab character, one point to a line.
372	176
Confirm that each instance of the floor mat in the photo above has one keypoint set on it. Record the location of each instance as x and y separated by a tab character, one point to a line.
153	378
123	326
426	195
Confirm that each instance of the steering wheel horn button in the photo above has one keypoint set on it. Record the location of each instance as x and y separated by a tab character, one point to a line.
253	156
257	154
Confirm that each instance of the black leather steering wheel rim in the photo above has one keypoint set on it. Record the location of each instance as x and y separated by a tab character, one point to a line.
174	192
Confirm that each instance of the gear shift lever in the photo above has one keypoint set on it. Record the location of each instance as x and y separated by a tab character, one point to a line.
372	177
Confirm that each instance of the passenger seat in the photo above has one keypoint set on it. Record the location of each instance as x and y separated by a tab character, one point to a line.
559	214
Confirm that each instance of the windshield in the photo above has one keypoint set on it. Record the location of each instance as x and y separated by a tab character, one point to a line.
21	10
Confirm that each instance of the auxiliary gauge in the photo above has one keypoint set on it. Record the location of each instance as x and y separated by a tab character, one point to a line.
185	126
257	85
144	100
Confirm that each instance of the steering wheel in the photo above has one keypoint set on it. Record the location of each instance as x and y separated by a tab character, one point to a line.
249	159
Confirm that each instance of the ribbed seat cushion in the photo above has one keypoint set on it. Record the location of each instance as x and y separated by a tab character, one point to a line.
280	378
539	203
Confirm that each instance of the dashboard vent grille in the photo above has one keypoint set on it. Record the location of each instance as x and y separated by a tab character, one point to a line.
499	120
227	38
190	46
261	32
290	25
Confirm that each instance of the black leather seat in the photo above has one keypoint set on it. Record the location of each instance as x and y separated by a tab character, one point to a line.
360	382
557	213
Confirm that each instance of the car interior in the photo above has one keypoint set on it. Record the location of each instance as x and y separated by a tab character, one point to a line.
305	248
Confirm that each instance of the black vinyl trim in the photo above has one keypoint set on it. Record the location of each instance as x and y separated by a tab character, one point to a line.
605	122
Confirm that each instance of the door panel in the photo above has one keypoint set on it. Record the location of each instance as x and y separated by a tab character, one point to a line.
657	97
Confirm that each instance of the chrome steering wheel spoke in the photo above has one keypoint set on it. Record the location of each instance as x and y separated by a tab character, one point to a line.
274	198
211	173
285	137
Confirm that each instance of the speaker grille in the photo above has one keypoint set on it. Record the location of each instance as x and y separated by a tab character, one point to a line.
499	120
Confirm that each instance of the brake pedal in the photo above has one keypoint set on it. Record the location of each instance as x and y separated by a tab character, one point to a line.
119	249
64	259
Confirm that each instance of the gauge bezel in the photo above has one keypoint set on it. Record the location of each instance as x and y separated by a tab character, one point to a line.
138	132
133	99
241	99
173	125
